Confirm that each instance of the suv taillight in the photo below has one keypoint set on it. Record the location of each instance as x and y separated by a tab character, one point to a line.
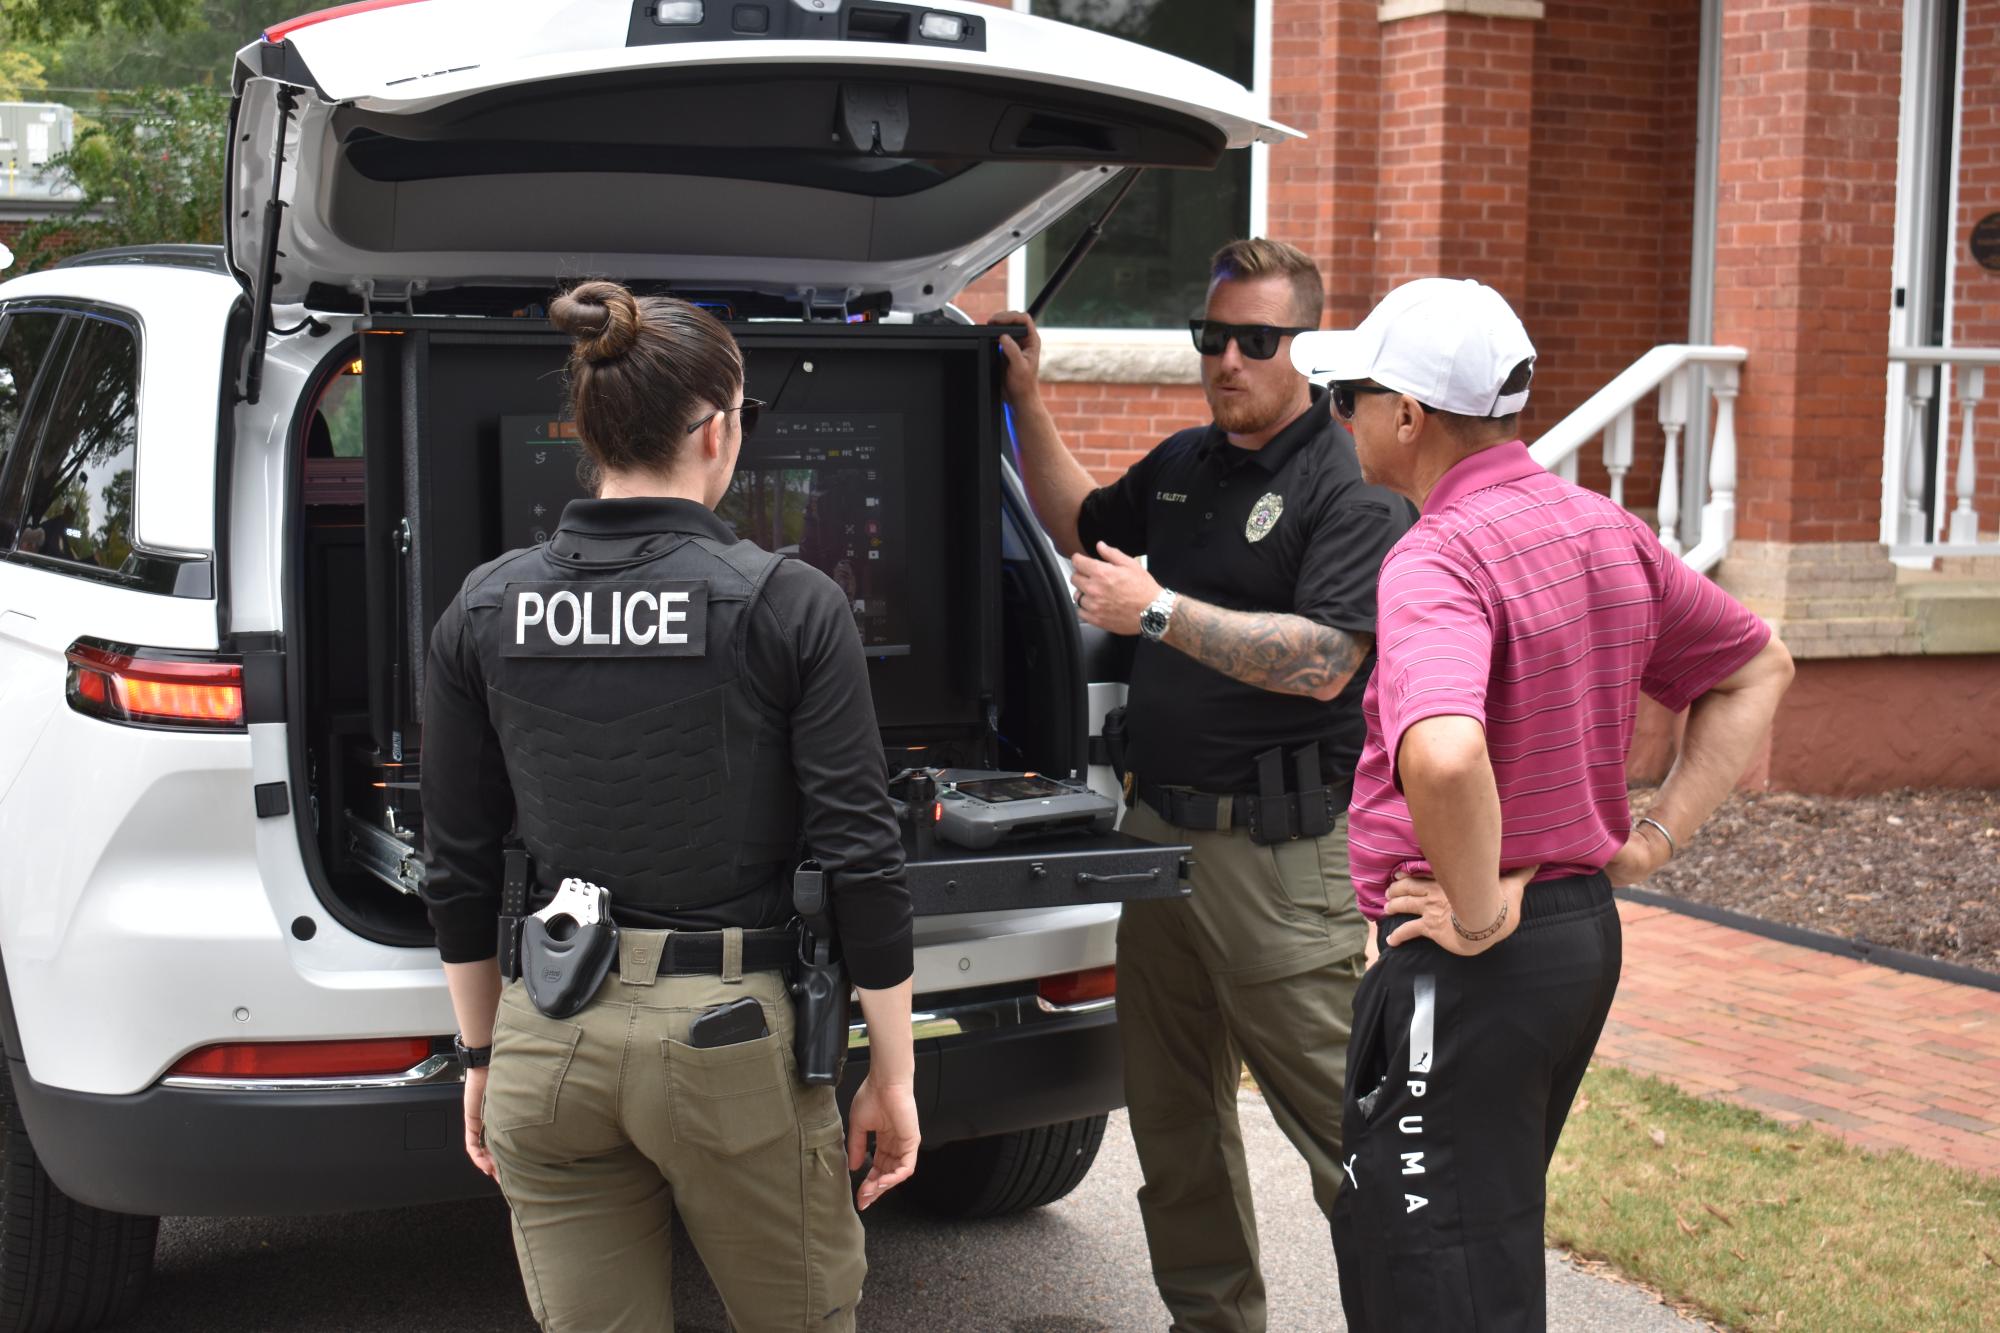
1067	988
136	685
305	1059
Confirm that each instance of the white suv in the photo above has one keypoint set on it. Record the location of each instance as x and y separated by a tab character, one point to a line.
238	484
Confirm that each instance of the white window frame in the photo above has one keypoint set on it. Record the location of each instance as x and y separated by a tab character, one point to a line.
1018	294
1916	182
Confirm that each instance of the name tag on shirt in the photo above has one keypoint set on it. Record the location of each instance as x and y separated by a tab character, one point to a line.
665	619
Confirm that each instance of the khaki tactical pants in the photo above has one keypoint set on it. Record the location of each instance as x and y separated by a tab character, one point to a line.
602	1125
1258	967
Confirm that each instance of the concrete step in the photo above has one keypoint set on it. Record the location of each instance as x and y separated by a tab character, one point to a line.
1851	636
1955	615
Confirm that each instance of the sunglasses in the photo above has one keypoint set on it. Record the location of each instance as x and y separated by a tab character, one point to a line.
1344	392
751	408
1259	342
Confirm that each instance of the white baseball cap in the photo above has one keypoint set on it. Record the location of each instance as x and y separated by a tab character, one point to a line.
1449	343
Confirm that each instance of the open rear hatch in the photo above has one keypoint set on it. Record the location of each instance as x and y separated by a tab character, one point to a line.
807	173
826	153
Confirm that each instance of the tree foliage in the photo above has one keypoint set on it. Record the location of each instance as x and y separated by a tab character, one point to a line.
54	20
199	51
21	76
147	177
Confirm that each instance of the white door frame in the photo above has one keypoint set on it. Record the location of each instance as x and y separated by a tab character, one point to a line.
1917	167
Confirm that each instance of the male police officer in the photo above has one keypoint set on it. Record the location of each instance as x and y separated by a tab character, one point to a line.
662	710
1257	614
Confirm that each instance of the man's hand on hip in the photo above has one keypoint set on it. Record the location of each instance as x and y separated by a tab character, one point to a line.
1111	591
1643	853
1425	900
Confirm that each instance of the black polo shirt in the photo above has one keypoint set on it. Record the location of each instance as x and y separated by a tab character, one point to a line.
1288	528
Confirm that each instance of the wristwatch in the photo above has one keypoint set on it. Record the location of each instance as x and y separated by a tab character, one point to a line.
472	1057
1154	619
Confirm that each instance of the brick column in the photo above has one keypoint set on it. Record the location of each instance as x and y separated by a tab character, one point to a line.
1458	95
1806	219
1806	214
1325	72
1805	230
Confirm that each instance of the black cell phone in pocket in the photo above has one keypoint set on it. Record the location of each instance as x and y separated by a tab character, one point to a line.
728	1024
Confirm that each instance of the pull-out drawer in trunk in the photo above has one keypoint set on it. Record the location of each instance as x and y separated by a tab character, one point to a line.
1064	870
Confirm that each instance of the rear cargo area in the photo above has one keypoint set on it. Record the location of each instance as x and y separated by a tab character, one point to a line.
436	444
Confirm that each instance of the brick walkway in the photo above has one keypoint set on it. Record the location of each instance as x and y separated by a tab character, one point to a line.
1885	1059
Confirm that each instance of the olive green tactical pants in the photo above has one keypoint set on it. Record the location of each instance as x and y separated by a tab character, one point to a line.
606	1123
1258	967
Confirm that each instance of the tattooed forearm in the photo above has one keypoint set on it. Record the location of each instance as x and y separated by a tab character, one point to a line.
1283	653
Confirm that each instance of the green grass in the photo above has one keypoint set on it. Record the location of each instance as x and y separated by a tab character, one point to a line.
1762	1227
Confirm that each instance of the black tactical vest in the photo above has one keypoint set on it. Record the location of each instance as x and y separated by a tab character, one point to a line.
641	756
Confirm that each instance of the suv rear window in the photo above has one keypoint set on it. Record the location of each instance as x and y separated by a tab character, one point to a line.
80	497
25	344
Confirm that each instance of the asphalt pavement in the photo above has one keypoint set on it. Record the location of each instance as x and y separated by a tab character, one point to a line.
1076	1267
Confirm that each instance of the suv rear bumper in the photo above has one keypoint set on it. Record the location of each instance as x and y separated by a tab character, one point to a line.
1002	1066
215	1151
269	1150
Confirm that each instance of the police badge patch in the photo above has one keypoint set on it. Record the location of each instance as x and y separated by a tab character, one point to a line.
1264	516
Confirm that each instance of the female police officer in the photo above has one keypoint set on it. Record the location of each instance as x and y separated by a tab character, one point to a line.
656	708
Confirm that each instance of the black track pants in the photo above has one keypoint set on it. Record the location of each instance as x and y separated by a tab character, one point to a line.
1459	1076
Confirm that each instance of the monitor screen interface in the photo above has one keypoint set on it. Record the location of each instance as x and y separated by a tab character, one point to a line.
825	488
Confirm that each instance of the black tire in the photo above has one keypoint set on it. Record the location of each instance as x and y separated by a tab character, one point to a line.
1008	1173
64	1267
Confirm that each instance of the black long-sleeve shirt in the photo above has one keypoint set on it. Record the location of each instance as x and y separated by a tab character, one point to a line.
804	659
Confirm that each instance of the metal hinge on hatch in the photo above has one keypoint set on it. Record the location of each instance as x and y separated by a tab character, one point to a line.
820	309
370	295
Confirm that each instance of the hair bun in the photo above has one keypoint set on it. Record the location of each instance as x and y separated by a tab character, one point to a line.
602	317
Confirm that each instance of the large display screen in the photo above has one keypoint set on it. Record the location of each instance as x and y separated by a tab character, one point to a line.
825	488
828	489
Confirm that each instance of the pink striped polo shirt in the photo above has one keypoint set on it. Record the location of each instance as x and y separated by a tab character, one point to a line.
1542	610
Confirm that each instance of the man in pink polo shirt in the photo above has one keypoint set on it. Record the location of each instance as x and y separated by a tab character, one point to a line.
1520	620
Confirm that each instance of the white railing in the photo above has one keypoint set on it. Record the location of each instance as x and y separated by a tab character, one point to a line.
1612	412
1913	532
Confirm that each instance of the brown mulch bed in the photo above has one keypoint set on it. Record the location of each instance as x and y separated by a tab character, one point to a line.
1911	870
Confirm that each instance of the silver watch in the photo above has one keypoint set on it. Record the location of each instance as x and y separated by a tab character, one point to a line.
1154	619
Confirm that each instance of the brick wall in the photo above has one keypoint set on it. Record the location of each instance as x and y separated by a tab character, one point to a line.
1806	221
1326	63
1610	208
1455	135
1109	427
1976	291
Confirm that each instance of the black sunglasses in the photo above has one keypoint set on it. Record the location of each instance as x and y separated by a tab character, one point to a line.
1259	342
1343	396
751	408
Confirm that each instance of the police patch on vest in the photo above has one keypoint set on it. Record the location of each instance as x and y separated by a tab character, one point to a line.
662	619
1264	516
